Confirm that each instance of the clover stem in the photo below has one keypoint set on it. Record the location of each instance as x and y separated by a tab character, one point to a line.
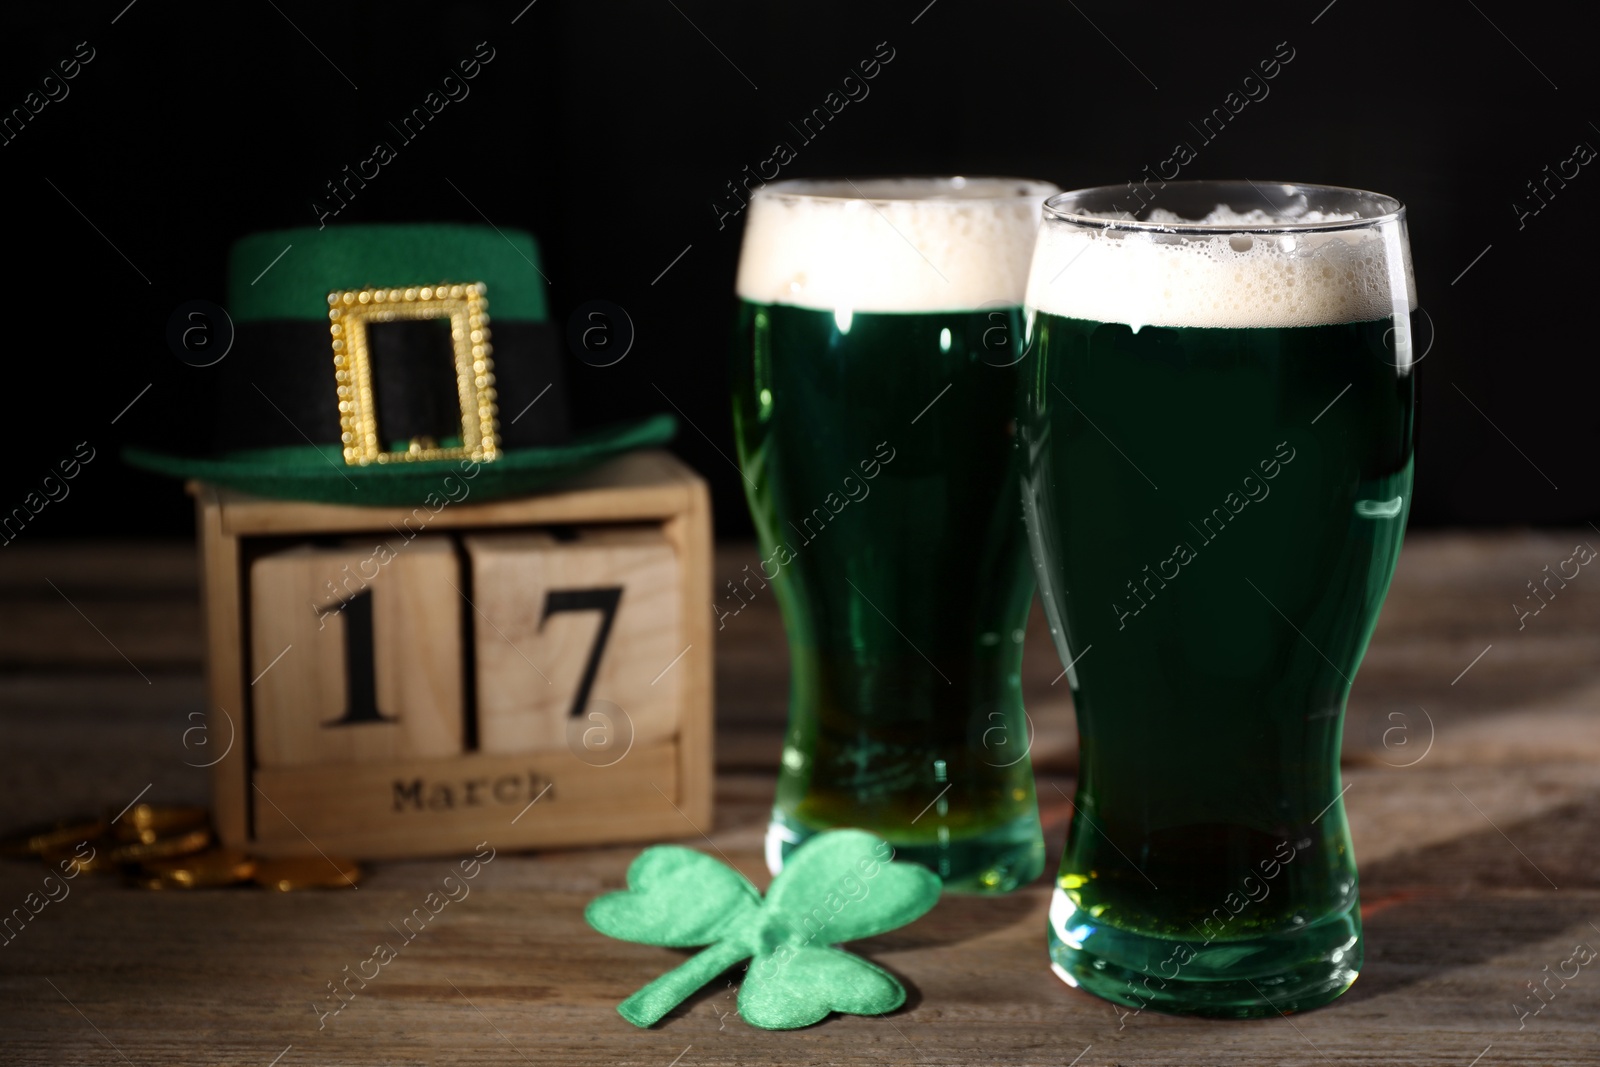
649	1004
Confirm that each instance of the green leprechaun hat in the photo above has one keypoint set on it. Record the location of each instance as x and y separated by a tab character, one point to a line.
368	362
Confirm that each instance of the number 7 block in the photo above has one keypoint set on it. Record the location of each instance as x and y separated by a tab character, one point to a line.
563	628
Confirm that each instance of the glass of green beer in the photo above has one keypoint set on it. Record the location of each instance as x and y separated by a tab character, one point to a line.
875	373
1215	421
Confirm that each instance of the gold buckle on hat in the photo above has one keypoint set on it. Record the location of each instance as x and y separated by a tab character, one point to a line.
349	311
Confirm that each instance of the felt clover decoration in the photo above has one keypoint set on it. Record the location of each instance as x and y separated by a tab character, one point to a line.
839	886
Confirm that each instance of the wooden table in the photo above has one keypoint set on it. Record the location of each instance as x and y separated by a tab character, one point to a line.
1478	864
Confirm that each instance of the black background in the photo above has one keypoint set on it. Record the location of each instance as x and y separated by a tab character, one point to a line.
609	129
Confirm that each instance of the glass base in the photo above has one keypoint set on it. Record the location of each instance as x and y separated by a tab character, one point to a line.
998	861
1244	979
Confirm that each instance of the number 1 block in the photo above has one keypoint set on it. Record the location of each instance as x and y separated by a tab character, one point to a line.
355	653
560	625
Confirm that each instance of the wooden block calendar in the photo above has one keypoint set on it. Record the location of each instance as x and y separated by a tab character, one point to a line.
408	682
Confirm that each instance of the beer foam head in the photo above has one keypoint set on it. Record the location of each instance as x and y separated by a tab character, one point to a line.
908	244
1222	270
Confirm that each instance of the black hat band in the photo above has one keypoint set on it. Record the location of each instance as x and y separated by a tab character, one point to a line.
277	387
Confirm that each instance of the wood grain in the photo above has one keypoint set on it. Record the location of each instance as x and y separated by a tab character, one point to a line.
1477	861
512	975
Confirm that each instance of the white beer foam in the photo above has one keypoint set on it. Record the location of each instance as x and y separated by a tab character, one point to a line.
890	244
1222	279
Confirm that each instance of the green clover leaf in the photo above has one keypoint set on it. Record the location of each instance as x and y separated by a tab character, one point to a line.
814	982
652	912
839	886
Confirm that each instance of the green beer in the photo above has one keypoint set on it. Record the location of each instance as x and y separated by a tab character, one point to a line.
873	410
1217	438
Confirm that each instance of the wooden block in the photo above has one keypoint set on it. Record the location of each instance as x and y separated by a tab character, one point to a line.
644	526
639	486
434	807
690	534
226	686
562	626
356	669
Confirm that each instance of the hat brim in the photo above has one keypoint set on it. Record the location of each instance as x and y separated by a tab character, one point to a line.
318	472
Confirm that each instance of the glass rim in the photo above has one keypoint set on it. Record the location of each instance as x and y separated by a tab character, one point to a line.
1008	189
1392	210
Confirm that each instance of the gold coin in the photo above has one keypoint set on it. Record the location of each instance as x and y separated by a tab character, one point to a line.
181	844
202	870
307	872
50	837
147	822
98	860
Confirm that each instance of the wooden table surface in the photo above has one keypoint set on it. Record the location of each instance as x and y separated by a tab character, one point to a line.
1472	754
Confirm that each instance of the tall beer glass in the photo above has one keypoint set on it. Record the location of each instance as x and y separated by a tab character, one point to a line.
874	383
1216	419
